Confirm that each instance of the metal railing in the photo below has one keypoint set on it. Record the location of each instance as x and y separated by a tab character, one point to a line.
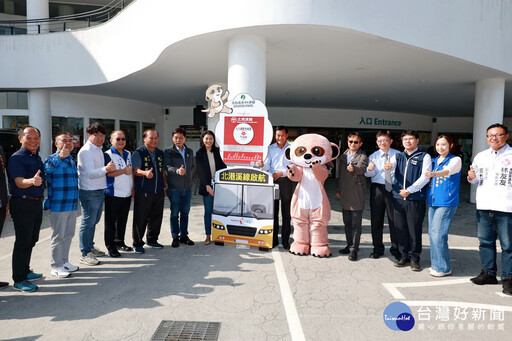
65	22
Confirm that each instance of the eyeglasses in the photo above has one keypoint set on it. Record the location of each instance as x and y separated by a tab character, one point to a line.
495	136
120	139
354	142
383	141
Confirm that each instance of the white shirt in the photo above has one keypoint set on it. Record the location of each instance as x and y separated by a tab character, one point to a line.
379	159
91	168
494	178
123	183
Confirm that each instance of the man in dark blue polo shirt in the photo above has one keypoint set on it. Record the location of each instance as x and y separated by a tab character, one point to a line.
26	179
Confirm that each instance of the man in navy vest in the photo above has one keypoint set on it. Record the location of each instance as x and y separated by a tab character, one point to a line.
409	192
149	186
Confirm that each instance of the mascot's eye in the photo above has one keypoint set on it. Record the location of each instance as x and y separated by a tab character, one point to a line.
300	151
318	151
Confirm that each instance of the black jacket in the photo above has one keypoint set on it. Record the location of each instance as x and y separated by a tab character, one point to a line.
203	168
172	162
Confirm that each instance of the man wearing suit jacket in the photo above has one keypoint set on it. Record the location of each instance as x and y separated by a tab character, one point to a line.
179	162
352	187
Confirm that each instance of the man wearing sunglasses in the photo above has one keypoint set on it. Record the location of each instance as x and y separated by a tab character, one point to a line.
118	195
352	188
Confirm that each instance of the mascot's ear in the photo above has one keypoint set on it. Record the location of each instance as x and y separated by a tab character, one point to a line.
335	151
287	154
207	98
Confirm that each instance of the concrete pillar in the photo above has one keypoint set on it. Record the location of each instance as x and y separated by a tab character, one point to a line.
37	9
247	66
40	117
489	103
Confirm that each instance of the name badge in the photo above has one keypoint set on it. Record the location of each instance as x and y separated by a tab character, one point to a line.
414	163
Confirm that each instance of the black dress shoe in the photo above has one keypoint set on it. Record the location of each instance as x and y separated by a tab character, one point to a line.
3	285
186	240
345	251
375	255
175	242
114	253
286	246
484	278
124	248
404	261
415	266
352	256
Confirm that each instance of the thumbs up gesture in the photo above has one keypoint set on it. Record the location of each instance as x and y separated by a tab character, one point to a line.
37	180
149	174
181	170
350	167
471	173
388	165
371	165
110	167
64	153
260	163
128	170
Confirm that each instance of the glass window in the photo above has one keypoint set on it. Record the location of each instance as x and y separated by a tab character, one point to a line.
258	202
12	100
15	122
146	126
109	126
72	125
22	100
228	200
131	131
3	100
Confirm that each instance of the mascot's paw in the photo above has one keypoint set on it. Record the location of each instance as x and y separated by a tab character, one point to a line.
299	249
291	169
321	251
314	163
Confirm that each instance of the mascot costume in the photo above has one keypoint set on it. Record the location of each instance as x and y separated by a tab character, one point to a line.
310	208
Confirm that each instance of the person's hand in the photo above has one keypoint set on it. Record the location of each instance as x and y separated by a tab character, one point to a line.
209	189
371	165
338	195
149	174
64	153
277	175
350	167
429	174
471	173
128	170
403	193
110	167
260	163
388	165
37	180
181	170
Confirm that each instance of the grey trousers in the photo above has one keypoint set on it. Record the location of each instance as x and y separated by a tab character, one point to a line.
63	225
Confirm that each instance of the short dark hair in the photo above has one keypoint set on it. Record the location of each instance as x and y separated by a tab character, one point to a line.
22	130
282	128
354	134
410	132
384	133
96	127
179	131
498	125
62	133
147	131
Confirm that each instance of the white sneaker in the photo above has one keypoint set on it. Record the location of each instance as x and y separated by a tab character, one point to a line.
89	259
435	273
97	252
60	272
70	267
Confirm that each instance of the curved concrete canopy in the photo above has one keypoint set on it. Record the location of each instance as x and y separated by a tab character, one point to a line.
317	67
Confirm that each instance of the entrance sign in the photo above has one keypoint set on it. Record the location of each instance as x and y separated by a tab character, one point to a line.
244	135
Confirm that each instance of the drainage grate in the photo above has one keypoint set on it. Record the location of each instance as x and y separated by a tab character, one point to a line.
186	330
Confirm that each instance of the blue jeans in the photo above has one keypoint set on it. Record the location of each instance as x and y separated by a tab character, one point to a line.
208	210
180	207
492	225
92	207
439	220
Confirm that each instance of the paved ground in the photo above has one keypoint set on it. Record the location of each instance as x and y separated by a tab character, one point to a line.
255	295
